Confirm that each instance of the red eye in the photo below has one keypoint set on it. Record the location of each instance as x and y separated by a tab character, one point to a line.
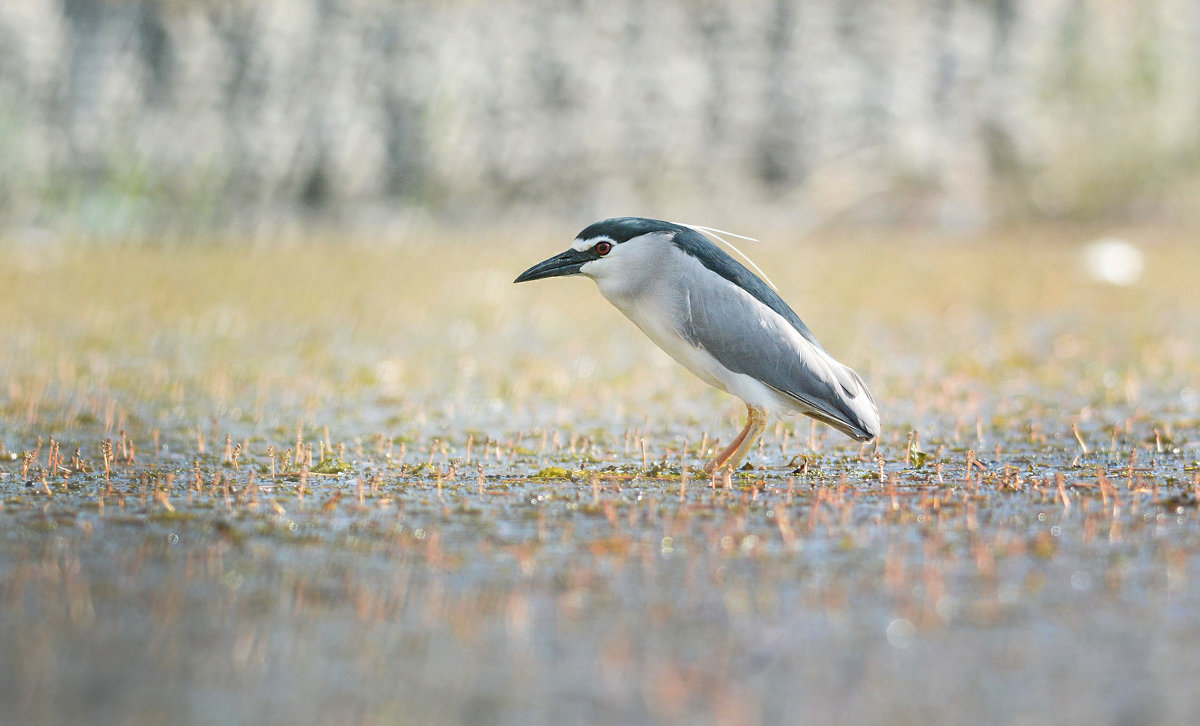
603	248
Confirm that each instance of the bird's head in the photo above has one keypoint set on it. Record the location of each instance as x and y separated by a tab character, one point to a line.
619	254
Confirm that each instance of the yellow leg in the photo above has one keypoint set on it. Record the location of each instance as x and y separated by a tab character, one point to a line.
756	423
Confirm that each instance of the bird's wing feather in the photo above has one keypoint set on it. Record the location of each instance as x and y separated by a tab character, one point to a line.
714	258
748	337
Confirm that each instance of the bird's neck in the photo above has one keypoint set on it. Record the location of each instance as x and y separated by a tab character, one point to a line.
653	308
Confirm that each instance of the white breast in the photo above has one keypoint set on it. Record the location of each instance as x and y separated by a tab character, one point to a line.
652	288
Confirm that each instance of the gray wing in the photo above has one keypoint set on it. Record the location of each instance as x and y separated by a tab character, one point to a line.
748	337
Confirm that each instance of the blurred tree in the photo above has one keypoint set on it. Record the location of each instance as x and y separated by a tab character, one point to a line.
132	116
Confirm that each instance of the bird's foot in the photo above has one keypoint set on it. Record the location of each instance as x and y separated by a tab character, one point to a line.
733	454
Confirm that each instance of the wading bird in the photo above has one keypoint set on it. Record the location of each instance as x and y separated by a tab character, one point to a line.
720	321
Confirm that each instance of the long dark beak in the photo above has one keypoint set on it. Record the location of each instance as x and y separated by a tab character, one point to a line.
568	263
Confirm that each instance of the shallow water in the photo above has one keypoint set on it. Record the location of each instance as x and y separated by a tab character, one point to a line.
1042	584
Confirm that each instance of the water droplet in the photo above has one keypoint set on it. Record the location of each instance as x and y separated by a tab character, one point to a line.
900	633
1114	261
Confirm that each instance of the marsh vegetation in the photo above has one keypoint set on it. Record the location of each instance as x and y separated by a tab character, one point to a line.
332	483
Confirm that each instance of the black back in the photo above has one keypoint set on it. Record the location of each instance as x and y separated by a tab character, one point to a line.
623	229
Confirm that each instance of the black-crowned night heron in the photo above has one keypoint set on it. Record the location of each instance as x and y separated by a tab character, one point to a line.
719	320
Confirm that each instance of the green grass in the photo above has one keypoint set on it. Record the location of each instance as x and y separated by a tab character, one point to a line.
354	484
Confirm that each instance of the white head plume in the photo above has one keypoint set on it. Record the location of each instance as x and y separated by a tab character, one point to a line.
716	235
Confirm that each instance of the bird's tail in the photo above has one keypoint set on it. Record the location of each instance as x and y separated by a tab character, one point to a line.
862	415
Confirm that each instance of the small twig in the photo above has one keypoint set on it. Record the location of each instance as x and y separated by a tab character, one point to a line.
1062	490
1079	438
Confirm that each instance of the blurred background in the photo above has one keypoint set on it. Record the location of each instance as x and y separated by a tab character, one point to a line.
184	118
198	204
